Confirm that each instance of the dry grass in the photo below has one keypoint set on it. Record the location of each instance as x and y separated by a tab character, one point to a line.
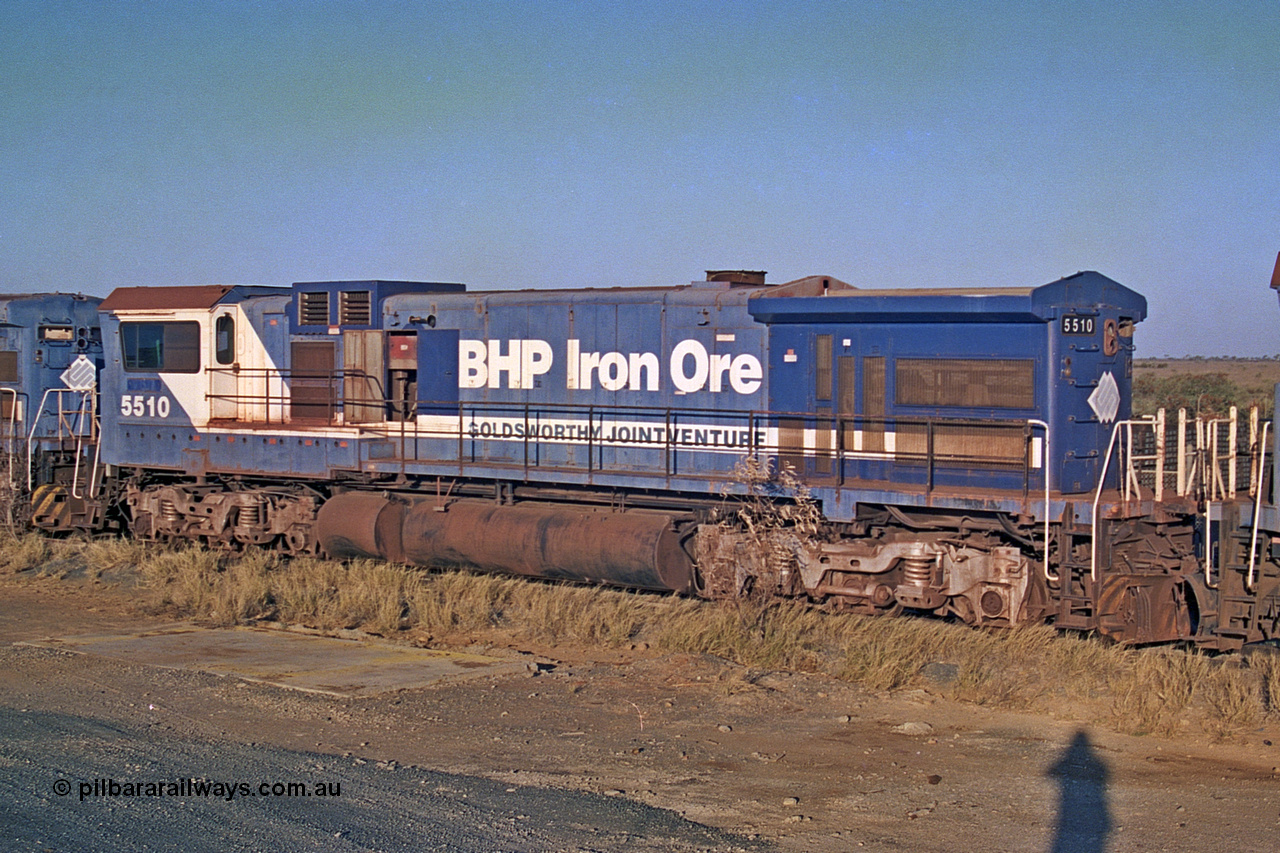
1268	668
769	635
1234	701
376	597
190	581
1151	694
22	553
1141	691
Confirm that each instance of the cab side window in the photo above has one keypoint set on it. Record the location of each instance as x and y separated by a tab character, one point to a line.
224	335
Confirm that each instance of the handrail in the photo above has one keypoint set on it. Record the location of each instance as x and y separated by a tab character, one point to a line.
668	438
86	411
283	396
31	438
12	432
87	401
1048	574
921	440
1102	480
1257	510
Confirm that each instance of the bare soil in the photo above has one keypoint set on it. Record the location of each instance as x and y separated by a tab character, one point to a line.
797	761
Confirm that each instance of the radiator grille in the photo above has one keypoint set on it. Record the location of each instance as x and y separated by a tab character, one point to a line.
968	383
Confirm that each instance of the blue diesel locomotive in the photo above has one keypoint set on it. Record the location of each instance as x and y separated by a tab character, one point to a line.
965	452
50	355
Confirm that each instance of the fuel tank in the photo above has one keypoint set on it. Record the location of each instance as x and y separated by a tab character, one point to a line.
637	548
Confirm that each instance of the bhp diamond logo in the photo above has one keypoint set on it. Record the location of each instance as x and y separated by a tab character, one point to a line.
80	376
1105	399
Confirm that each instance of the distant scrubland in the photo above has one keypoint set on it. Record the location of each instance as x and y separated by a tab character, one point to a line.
1207	386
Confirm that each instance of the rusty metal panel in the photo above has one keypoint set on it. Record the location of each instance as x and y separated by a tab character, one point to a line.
1143	609
164	298
312	389
195	462
822	372
823	448
791	443
965	444
364	398
846	397
402	350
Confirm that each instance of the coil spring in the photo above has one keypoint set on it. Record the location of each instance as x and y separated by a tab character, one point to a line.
917	568
169	511
250	514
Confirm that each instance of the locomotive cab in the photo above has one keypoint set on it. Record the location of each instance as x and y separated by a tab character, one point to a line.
188	355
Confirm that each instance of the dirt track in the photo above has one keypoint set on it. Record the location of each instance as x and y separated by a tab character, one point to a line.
802	762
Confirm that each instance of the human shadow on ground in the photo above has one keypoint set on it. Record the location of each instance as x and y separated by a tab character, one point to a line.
1084	817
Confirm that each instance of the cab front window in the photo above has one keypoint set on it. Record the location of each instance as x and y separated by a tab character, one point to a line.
161	347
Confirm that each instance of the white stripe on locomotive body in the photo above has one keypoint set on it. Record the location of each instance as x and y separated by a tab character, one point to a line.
647	435
195	394
256	399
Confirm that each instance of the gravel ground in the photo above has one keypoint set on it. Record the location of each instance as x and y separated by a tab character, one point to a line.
588	750
76	783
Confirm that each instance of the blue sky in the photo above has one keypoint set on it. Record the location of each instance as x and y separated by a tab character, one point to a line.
565	144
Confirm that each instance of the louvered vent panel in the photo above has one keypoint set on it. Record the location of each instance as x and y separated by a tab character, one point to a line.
354	308
313	308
